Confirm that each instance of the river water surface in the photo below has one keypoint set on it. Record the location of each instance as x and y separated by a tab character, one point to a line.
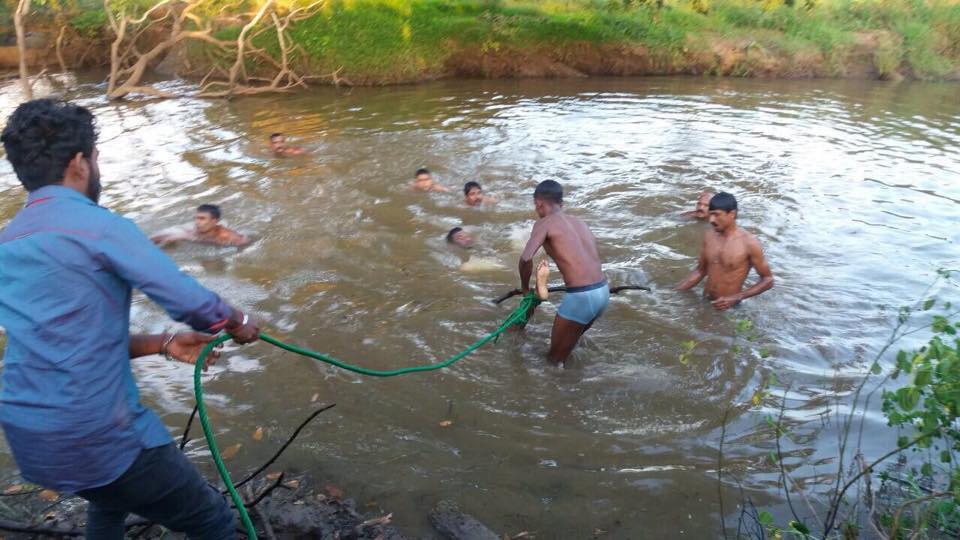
852	187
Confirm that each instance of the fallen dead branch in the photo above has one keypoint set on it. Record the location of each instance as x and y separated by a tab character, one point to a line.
290	440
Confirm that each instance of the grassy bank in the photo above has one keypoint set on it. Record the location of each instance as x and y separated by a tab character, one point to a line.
382	41
389	41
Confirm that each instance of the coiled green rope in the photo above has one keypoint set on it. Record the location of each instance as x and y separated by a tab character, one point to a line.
518	316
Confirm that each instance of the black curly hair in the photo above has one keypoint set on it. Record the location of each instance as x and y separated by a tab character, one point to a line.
43	135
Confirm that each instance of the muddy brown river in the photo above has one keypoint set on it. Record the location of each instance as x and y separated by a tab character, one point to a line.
852	187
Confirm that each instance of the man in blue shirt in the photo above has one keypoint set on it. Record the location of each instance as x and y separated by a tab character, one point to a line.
69	406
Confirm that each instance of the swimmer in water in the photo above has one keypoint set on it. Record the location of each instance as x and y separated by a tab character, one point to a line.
470	260
423	181
459	237
727	256
278	145
473	195
206	230
571	245
702	210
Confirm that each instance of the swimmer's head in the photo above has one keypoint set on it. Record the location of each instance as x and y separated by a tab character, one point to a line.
723	211
472	193
547	196
207	218
49	141
422	176
459	237
703	205
278	142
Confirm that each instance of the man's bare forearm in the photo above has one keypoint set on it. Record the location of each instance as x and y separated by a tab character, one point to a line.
145	344
691	280
765	284
526	270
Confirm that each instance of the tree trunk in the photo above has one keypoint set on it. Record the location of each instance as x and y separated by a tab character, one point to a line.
63	31
23	7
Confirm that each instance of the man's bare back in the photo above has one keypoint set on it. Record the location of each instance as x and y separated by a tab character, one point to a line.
571	245
569	242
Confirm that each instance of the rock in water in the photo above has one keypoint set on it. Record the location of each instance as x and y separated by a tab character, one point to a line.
453	524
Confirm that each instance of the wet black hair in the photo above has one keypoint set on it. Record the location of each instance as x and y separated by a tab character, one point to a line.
275	135
470	185
43	135
549	190
723	201
452	232
211	209
421	171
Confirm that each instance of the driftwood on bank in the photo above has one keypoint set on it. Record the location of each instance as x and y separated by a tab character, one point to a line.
180	21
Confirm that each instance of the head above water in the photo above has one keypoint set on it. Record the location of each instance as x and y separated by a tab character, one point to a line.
703	205
723	211
472	193
207	218
50	141
278	142
422	176
547	197
459	237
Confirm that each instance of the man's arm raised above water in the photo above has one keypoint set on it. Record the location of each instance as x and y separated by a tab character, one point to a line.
759	262
698	273
537	237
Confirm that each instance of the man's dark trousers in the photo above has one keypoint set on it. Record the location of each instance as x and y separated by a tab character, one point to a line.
164	487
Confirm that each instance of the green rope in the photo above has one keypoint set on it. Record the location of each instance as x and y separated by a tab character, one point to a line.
518	316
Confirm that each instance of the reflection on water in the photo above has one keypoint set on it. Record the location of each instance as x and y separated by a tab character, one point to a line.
853	189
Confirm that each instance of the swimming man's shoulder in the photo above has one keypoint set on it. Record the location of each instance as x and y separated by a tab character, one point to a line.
749	239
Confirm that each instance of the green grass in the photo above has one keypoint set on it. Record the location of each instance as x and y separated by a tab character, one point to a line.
402	38
391	40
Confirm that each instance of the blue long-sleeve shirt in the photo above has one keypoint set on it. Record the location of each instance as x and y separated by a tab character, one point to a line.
69	407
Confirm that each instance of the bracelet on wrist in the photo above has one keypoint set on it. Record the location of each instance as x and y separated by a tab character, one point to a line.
165	345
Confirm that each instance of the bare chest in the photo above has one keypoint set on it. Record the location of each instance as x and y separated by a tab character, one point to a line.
727	254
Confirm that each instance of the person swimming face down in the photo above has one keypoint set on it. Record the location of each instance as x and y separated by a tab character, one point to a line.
459	237
723	212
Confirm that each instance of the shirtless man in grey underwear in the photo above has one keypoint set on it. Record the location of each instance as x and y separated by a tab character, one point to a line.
571	245
727	256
